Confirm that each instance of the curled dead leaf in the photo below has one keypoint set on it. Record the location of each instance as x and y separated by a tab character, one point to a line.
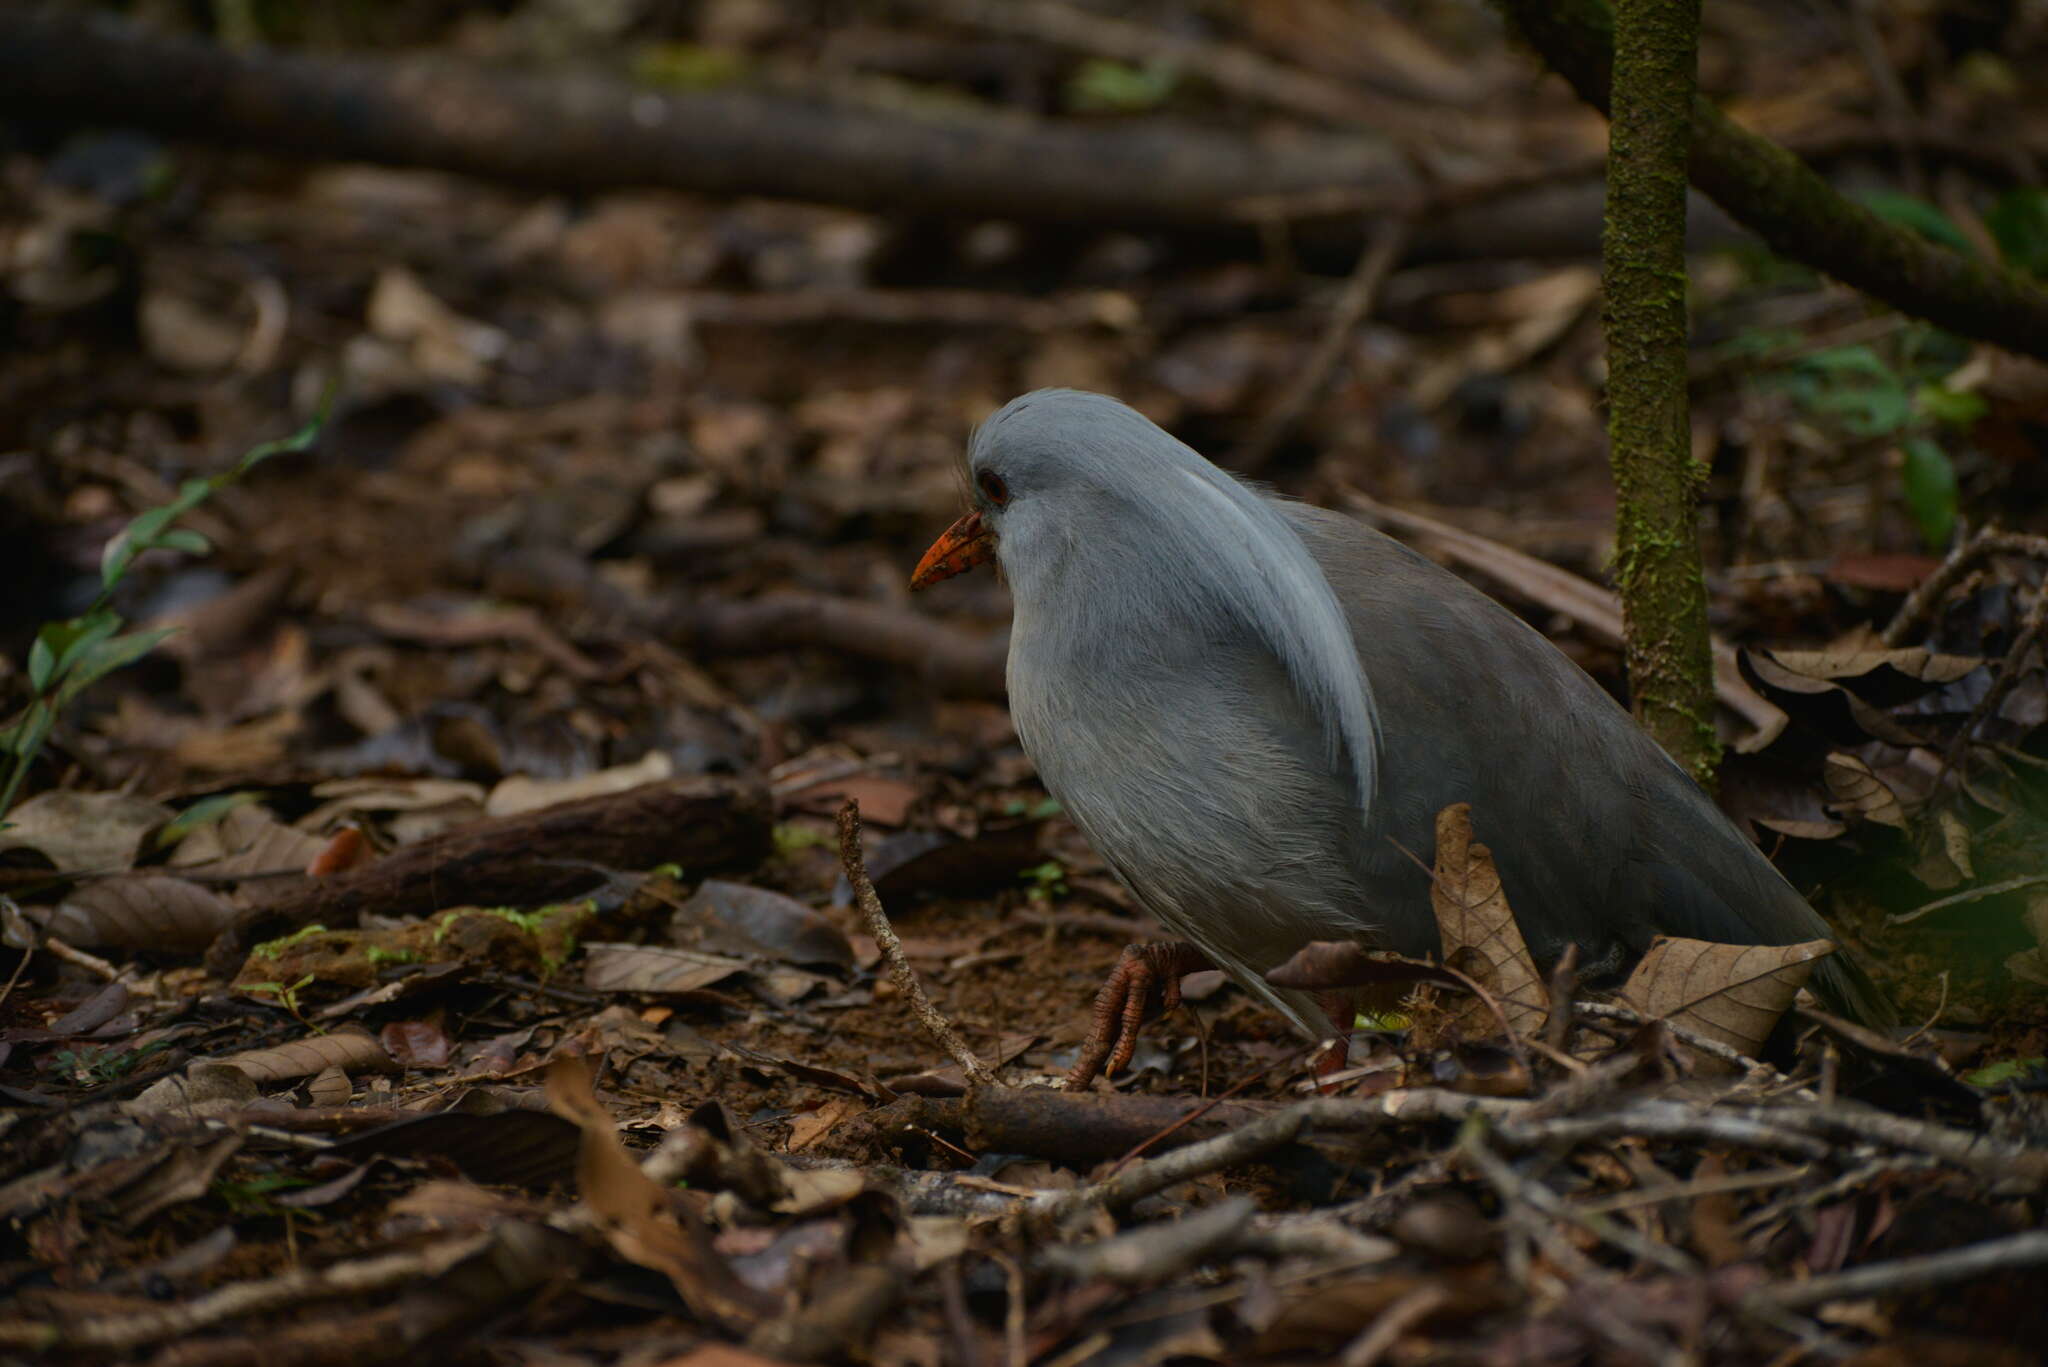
350	1050
83	832
639	1220
1732	993
1480	936
142	911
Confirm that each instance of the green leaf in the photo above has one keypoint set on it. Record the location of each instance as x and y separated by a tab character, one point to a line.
1103	86
24	735
1917	214
301	440
2005	1070
59	645
183	539
2019	224
1930	491
132	540
689	66
1956	407
1848	360
205	812
104	657
42	661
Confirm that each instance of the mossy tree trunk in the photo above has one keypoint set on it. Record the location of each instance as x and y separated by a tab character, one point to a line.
1649	425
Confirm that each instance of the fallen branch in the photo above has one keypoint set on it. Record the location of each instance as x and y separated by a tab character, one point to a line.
301	1286
1927	594
900	971
2002	1256
1798	214
592	134
527	859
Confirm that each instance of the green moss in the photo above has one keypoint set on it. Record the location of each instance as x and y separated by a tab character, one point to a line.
271	949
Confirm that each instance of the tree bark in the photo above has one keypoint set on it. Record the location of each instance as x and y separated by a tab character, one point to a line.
1649	422
1784	201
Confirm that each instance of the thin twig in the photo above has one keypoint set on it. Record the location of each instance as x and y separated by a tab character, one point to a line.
301	1286
1397	1319
1920	603
1713	1048
2007	1256
1956	899
900	971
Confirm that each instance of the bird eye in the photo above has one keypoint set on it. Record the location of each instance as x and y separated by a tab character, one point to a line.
993	488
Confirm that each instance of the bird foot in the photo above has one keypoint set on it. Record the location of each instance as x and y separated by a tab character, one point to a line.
1123	1004
1341	1010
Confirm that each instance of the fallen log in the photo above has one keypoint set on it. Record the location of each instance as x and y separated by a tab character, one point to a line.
533	857
577	132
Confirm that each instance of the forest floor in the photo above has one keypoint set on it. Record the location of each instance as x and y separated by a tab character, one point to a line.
494	763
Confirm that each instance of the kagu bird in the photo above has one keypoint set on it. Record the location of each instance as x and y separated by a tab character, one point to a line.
1254	709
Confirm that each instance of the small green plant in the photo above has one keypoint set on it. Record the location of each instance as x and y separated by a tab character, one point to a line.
378	956
288	997
1036	811
2004	1071
69	657
791	838
1099	86
1860	395
205	812
250	1197
1047	880
97	1067
270	949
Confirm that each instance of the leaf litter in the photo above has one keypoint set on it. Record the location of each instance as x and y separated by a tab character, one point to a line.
481	740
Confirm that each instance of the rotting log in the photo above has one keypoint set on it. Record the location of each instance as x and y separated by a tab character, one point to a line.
580	132
583	133
533	857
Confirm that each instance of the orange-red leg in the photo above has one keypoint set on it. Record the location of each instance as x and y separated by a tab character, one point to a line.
1125	1001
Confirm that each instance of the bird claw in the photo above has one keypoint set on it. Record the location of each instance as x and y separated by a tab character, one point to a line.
1121	1005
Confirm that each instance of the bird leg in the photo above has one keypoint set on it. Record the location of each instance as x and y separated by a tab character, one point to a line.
1342	1009
1121	1005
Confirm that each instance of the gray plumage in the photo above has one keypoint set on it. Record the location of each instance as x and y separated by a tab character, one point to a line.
1254	709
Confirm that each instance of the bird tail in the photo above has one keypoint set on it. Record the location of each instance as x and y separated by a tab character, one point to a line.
1843	985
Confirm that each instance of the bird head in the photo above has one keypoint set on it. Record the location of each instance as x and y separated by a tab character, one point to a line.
1052	470
1108	530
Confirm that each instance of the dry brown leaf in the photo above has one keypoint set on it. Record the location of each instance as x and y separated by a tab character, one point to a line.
329	1087
1857	652
206	1088
448	1206
520	793
350	1050
1714	1216
1855	789
654	968
347	797
1732	993
1480	936
247	840
81	832
142	911
636	1215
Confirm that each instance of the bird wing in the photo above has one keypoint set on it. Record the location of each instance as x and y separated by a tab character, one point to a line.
1600	838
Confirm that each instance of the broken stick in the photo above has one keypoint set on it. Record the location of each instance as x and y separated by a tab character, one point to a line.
900	971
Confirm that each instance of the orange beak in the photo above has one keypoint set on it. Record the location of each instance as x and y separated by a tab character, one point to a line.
960	547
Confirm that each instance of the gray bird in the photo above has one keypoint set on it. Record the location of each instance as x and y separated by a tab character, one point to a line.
1254	710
